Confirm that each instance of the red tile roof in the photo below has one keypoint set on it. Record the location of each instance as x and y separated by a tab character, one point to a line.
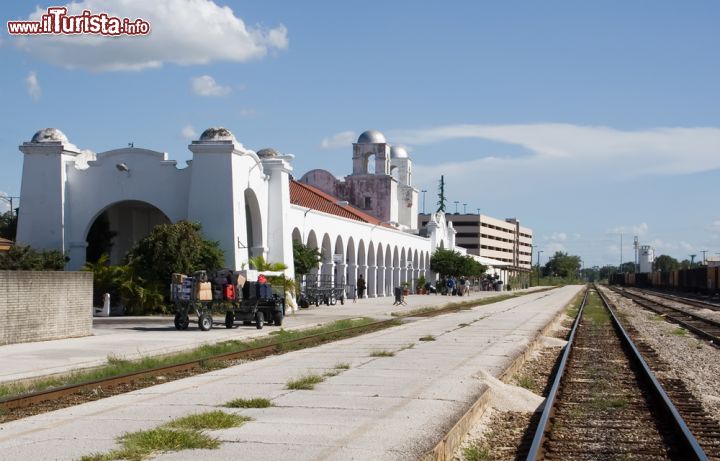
308	196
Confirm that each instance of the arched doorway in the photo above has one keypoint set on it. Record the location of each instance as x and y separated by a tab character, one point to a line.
253	223
119	227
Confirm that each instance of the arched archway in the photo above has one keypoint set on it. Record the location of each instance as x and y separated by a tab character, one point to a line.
118	227
253	224
297	236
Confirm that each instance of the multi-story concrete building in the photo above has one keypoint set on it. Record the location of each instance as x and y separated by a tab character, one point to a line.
492	238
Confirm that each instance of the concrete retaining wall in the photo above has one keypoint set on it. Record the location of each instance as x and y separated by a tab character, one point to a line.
38	306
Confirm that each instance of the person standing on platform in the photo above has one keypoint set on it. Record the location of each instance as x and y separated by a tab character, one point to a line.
360	286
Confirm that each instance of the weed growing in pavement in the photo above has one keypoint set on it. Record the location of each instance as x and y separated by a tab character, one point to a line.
427	338
330	374
118	366
382	353
658	317
406	347
211	420
305	383
476	451
257	402
342	366
180	434
463	325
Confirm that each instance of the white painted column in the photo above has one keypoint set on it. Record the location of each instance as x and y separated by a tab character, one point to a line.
371	281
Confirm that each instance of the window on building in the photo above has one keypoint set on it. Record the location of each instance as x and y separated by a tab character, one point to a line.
368	203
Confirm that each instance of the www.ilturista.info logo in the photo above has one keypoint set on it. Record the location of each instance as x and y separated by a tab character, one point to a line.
57	21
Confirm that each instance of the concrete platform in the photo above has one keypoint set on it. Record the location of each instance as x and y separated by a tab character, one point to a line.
381	408
134	337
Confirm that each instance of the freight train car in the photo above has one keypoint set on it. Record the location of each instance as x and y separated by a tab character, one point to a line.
696	280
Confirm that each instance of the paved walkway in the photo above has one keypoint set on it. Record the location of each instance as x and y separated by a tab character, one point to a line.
135	337
380	408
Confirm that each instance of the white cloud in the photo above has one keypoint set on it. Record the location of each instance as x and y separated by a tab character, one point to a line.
342	139
205	85
33	86
188	132
551	248
556	236
714	227
184	32
629	153
635	229
4	202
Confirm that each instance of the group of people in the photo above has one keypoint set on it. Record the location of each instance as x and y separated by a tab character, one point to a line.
446	286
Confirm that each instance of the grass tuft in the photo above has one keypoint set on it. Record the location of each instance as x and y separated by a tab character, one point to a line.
526	382
427	338
177	435
476	451
257	402
305	383
382	353
680	332
342	366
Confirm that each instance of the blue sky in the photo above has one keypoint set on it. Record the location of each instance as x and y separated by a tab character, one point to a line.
581	119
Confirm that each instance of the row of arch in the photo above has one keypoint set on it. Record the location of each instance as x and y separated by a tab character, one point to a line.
383	266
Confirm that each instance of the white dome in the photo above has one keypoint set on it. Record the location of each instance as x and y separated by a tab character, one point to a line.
371	137
50	135
398	152
217	134
268	152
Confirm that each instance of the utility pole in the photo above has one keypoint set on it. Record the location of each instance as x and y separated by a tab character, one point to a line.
620	268
538	266
464	208
423	192
636	261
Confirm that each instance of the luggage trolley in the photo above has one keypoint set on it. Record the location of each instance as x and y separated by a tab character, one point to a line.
323	289
253	303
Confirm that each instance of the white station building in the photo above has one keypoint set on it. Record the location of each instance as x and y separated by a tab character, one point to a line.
248	201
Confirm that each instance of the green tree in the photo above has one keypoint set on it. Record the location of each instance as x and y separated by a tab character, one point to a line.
562	265
304	258
665	263
628	267
25	258
449	262
8	225
441	195
606	272
170	248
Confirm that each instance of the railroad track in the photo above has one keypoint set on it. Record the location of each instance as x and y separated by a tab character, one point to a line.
605	402
20	406
699	303
705	328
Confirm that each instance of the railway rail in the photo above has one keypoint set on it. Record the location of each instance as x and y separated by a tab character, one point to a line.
20	406
703	327
691	301
606	403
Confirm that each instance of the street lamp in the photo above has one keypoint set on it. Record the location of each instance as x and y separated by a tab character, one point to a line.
456	204
423	192
464	208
